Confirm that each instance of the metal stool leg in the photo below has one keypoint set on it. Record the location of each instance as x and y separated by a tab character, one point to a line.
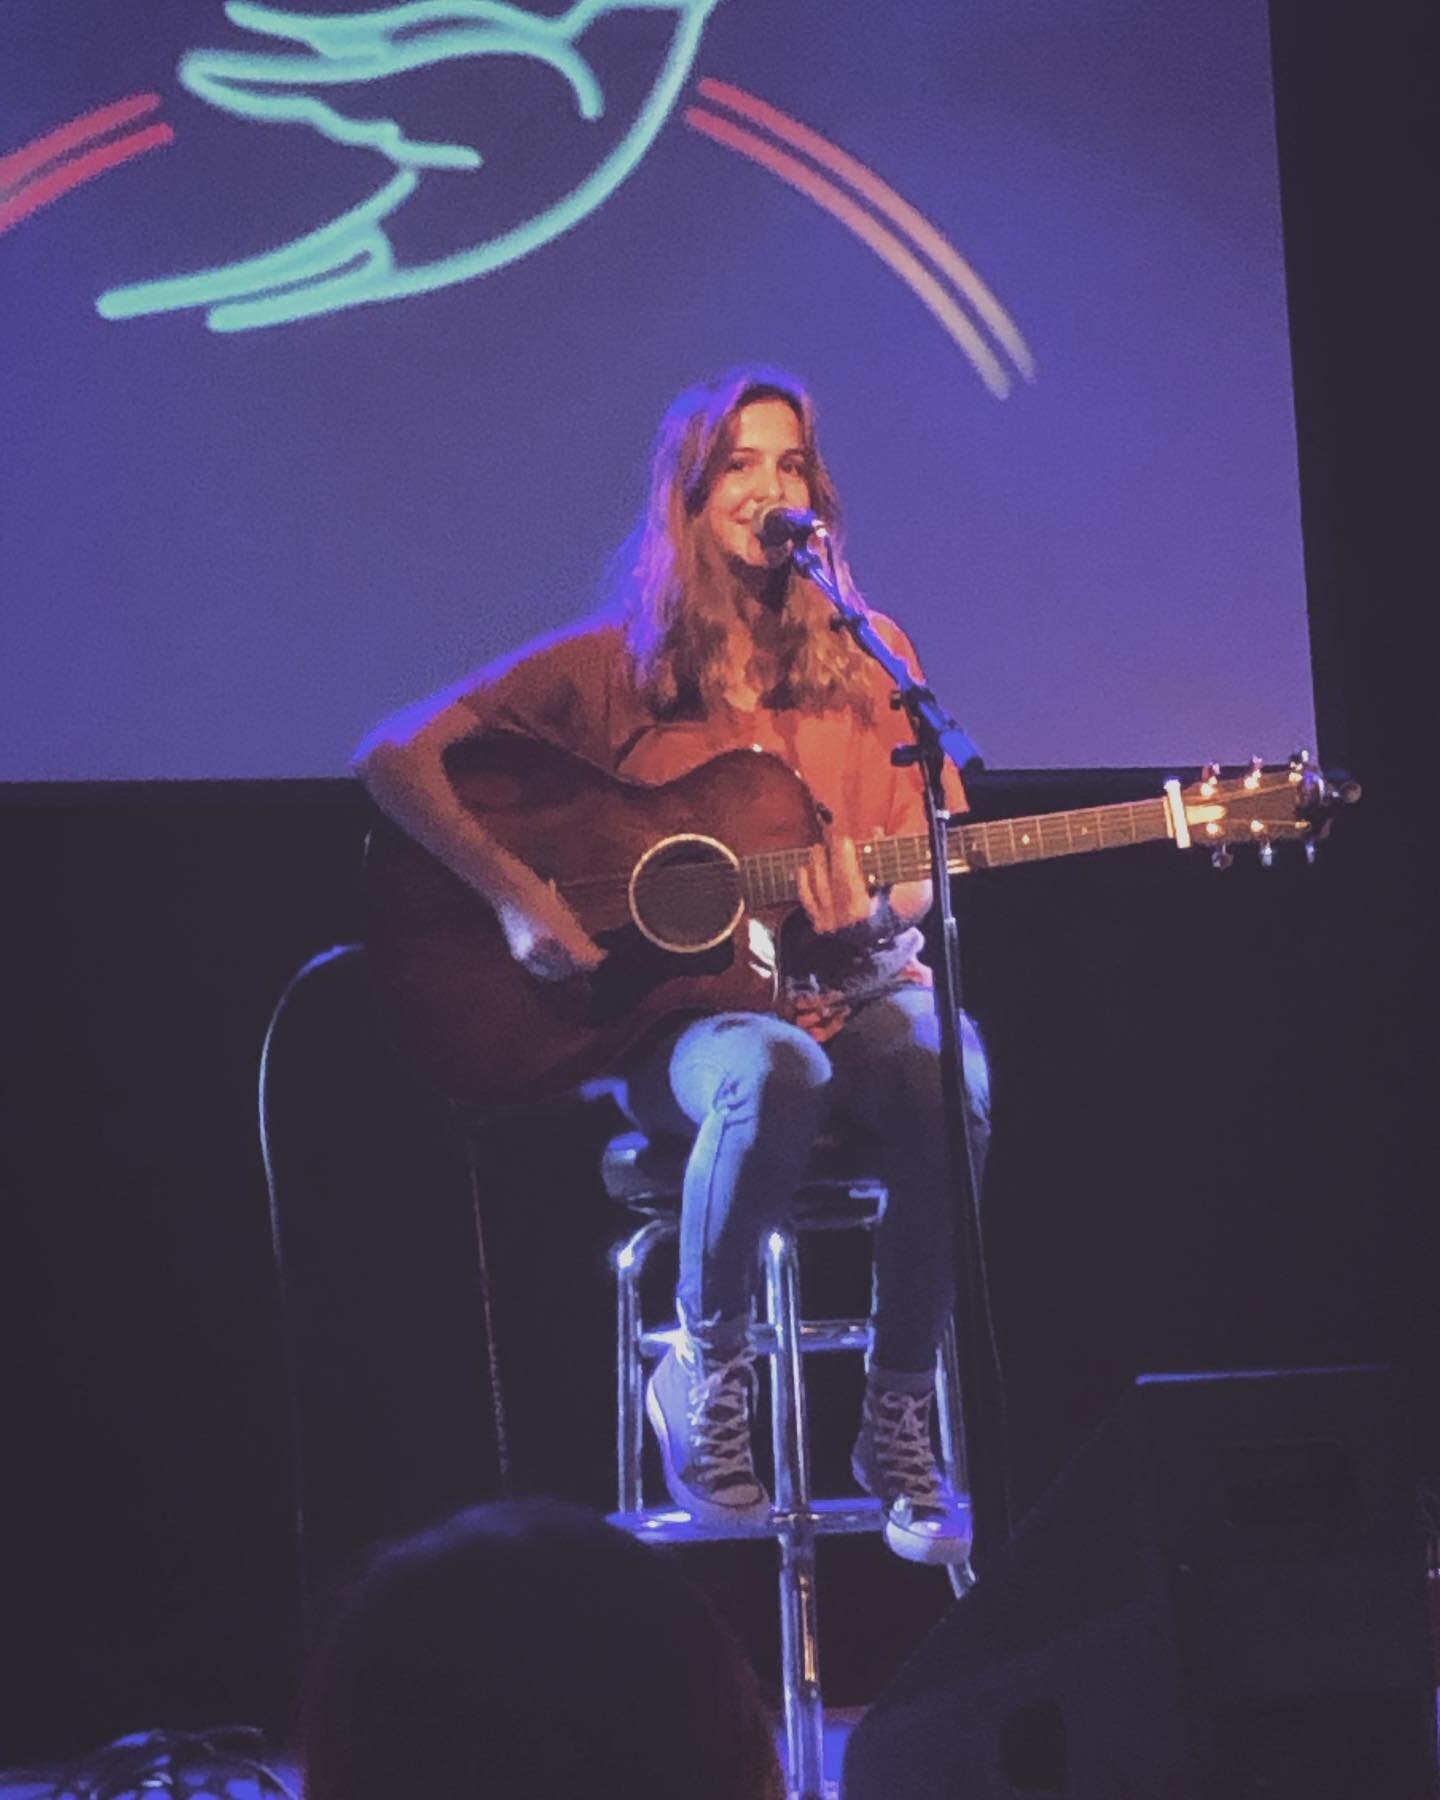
629	1259
952	1439
798	1520
799	1621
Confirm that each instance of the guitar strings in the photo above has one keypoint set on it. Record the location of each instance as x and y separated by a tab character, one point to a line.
909	859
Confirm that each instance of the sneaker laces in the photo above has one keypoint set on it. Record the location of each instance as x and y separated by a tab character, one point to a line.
900	1438
717	1411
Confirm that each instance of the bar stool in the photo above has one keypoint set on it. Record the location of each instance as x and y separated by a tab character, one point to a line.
837	1194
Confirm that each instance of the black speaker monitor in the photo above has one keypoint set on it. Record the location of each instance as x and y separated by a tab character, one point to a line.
1222	1597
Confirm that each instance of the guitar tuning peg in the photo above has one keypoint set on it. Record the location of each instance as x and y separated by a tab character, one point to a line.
1221	857
1267	855
1252	780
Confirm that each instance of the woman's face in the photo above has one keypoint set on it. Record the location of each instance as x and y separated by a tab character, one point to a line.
765	466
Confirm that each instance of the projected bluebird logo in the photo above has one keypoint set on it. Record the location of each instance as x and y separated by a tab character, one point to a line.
350	260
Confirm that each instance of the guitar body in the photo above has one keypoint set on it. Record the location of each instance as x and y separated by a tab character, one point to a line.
669	859
482	1027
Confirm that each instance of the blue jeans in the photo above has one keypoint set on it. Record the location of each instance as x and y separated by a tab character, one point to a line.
753	1092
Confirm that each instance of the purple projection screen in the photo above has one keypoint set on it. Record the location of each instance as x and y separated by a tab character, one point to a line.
335	340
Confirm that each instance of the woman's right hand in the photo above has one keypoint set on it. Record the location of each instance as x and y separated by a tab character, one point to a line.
546	938
402	763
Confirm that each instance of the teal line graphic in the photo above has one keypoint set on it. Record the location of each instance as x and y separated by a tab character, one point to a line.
350	261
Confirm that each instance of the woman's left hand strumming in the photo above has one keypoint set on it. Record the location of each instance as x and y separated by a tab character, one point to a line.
840	906
832	888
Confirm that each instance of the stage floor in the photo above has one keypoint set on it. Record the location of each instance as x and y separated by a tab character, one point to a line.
16	1784
20	1785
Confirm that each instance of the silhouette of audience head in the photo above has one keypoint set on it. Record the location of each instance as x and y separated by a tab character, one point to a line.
529	1651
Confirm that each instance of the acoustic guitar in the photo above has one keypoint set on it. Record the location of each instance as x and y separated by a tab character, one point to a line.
689	887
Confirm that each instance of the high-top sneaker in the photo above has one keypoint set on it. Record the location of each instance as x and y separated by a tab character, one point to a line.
699	1402
926	1521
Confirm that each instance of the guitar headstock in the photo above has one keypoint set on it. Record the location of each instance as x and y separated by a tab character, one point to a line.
1265	806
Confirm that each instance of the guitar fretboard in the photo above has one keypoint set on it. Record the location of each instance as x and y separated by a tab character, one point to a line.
769	877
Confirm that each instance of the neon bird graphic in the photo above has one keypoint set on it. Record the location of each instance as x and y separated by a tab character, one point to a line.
350	261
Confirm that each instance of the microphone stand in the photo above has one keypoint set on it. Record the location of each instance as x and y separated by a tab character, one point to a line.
937	736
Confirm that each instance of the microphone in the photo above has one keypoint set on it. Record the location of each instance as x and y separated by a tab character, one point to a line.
777	526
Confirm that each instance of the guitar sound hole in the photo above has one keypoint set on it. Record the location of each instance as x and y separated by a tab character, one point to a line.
685	894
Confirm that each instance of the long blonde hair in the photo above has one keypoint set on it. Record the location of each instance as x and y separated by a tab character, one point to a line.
677	594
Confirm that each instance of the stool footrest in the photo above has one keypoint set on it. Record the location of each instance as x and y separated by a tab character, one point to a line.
815	1335
822	1518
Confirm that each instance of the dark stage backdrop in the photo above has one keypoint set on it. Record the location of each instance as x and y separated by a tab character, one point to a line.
308	408
1204	1159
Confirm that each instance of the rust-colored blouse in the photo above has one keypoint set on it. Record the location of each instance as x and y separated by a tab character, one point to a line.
576	689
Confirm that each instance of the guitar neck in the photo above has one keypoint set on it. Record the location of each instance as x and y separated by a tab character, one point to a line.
769	879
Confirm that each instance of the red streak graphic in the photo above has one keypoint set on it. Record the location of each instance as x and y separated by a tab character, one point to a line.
889	248
45	188
884	199
20	163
